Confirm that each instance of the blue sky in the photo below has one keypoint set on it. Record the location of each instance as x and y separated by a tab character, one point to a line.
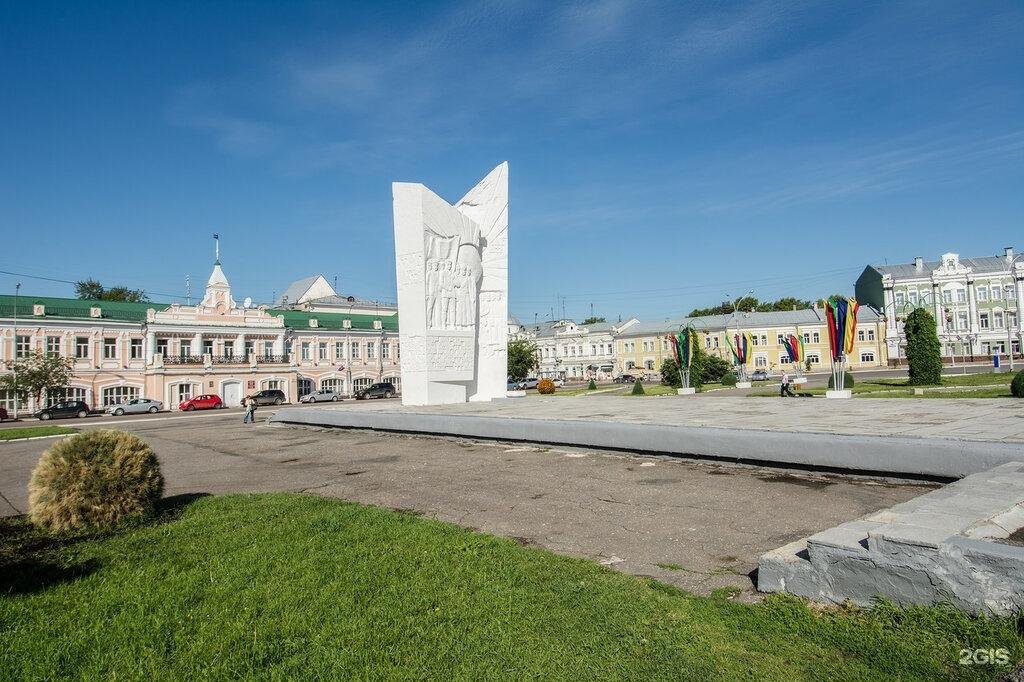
662	155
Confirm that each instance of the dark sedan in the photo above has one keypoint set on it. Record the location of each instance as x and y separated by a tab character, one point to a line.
63	409
384	389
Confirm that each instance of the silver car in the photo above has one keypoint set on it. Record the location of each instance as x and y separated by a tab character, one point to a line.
325	396
135	406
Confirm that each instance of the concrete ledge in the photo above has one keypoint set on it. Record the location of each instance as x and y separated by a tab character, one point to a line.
944	458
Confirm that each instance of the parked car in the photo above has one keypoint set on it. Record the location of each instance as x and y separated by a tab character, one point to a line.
201	402
65	408
3	414
512	385
269	396
136	406
384	389
528	383
324	396
625	379
760	375
558	382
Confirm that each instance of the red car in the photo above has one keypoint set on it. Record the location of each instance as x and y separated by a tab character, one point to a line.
201	402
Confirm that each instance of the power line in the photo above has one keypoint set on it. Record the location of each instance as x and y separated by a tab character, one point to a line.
68	281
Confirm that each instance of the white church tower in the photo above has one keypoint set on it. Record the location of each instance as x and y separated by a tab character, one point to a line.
218	291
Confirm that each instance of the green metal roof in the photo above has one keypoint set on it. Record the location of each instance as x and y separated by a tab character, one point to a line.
76	308
299	319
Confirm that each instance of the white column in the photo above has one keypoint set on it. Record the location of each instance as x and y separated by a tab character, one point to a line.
197	344
150	347
279	345
240	345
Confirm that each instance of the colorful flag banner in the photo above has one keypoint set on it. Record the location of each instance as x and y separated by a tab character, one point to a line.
841	320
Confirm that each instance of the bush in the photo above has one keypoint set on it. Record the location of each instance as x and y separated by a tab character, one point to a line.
670	373
545	386
729	378
924	352
94	479
847	381
712	369
638	388
592	386
1017	385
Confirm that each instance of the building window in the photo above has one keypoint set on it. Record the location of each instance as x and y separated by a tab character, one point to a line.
1011	320
184	392
649	364
996	292
135	349
339	350
807	338
7	399
867	356
59	395
354	347
961	295
860	334
322	351
361	383
816	337
161	347
82	347
305	350
760	361
249	349
630	364
982	293
912	297
119	394
997	318
53	345
333	384
1010	294
814	358
783	358
371	350
208	347
185	349
901	298
268	349
961	321
947	296
229	349
22	346
983	319
109	348
385	350
272	384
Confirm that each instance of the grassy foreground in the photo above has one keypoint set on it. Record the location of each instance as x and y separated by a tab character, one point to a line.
34	432
298	586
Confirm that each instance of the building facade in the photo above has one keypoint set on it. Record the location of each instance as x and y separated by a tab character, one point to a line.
172	352
975	302
576	352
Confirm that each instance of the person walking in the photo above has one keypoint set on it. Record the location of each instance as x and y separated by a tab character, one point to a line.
784	387
250	410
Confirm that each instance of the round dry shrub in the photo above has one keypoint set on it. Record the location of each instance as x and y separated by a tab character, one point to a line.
545	386
94	479
729	379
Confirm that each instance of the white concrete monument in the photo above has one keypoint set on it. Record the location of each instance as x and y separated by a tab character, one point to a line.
452	268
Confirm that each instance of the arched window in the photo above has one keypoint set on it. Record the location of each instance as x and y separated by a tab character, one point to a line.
60	394
119	394
361	383
332	384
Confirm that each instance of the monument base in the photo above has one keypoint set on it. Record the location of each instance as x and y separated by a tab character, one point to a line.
799	381
839	394
743	384
686	391
515	394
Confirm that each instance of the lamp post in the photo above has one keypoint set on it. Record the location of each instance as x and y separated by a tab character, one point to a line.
17	292
735	309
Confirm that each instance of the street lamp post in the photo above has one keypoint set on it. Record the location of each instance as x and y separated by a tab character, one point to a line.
17	292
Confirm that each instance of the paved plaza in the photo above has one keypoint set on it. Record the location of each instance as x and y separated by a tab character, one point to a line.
695	525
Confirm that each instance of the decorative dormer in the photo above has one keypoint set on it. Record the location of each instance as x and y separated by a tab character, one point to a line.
218	290
951	265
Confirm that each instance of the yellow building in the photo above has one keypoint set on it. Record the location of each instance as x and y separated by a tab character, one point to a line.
642	346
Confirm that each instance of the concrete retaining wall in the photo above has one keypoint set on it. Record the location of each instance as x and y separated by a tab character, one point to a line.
925	457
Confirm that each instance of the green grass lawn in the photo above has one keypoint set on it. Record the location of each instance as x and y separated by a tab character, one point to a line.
286	586
34	432
987	385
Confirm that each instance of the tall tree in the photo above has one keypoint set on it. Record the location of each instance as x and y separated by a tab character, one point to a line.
924	352
38	372
522	358
94	291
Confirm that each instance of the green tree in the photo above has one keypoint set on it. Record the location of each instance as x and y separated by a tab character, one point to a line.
522	358
92	290
748	303
38	372
713	368
638	388
670	373
924	353
594	320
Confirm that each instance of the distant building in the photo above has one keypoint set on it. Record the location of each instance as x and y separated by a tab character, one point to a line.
975	301
567	350
171	352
